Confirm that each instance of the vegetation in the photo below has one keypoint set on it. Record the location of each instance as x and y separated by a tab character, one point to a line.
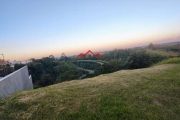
170	61
167	49
5	70
18	66
49	70
163	53
127	59
175	47
149	93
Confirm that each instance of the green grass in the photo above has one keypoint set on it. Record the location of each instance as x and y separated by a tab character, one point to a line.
170	61
163	53
141	94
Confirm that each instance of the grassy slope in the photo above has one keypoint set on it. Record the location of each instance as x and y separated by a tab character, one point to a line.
151	93
170	61
163	53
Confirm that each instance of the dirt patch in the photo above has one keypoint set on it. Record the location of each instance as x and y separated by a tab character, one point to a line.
28	98
124	84
156	102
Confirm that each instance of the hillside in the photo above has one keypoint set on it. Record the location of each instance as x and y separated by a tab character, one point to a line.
163	53
150	93
171	49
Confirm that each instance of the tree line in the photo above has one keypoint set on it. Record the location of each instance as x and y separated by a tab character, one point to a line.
50	70
120	59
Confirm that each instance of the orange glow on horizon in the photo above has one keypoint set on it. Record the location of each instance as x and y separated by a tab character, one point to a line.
95	48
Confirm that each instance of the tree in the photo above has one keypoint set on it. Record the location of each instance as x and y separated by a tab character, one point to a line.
52	57
151	46
63	57
46	80
18	66
139	60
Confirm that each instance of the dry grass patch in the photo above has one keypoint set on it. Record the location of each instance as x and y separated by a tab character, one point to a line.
156	102
29	96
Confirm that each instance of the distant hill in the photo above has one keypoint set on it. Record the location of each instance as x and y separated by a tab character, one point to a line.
149	93
166	49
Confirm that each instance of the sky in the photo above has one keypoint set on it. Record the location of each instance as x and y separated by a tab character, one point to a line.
39	28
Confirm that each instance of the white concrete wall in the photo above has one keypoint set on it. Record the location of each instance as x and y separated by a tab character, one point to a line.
18	80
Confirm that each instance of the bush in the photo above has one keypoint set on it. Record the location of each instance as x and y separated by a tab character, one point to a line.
139	59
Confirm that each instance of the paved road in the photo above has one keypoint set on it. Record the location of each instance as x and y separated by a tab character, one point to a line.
90	71
101	62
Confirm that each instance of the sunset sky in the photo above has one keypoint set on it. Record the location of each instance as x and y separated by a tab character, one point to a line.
38	28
